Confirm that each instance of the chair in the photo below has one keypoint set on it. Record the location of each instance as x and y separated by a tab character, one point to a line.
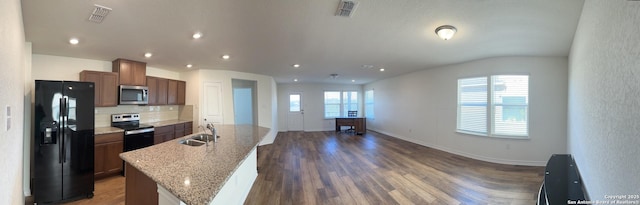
352	114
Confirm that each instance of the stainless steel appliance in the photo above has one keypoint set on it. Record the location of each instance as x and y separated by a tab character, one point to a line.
133	95
136	135
63	141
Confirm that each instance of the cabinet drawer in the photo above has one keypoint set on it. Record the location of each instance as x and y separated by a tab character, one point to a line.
164	129
111	137
179	126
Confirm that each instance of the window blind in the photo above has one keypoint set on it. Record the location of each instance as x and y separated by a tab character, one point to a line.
472	105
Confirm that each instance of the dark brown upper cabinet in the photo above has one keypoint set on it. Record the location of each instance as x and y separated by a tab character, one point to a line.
157	90
176	92
130	72
106	90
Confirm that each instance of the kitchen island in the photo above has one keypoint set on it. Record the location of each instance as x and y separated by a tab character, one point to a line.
196	175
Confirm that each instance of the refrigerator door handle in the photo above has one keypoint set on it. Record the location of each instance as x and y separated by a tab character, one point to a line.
60	130
65	119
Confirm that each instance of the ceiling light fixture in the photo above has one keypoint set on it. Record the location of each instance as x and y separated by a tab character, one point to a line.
74	41
296	65
197	35
189	65
353	81
295	80
148	55
226	57
381	69
446	32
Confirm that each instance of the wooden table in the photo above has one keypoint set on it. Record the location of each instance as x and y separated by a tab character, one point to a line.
359	124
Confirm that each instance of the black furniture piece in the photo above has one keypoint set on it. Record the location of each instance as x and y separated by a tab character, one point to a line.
562	182
63	141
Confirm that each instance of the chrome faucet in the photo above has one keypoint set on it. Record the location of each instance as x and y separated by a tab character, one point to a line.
214	132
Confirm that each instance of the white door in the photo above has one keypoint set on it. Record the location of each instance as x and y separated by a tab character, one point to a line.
212	105
296	112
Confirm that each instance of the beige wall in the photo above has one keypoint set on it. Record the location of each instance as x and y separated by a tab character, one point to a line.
421	107
604	98
12	81
267	110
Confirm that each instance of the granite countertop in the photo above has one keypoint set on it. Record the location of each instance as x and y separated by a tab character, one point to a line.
167	122
196	174
106	130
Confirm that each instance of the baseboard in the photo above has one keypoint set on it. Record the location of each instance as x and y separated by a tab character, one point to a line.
465	154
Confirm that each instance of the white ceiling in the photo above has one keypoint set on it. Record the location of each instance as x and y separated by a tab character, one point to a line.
268	36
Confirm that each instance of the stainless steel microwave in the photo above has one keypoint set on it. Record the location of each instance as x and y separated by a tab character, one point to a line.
134	95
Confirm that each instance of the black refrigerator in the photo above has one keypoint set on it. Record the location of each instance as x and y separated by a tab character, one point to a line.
63	141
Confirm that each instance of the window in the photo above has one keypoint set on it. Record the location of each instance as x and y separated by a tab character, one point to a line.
494	106
331	104
337	103
349	102
368	104
294	103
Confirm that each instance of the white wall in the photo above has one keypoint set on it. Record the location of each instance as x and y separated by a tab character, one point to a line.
604	98
312	103
196	79
421	107
48	67
12	82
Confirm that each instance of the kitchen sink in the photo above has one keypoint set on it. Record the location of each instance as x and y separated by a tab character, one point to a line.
203	137
191	142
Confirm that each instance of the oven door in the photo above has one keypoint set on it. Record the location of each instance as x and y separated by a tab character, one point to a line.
136	139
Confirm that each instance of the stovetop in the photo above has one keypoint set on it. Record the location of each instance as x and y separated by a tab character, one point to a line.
128	121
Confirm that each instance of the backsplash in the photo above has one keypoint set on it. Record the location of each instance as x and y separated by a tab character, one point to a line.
147	113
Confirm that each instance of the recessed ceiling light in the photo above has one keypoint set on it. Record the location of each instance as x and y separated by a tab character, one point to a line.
296	65
381	69
74	41
197	35
226	57
189	65
295	80
353	81
148	55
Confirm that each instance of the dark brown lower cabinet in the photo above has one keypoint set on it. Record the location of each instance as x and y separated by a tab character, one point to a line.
188	128
139	188
170	132
163	134
107	161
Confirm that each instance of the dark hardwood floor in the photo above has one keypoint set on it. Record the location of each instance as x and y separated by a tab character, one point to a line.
338	168
107	191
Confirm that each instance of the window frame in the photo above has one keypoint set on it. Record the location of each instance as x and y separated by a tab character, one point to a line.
490	108
342	112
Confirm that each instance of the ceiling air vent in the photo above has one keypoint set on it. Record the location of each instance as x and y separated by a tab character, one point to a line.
99	13
346	8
